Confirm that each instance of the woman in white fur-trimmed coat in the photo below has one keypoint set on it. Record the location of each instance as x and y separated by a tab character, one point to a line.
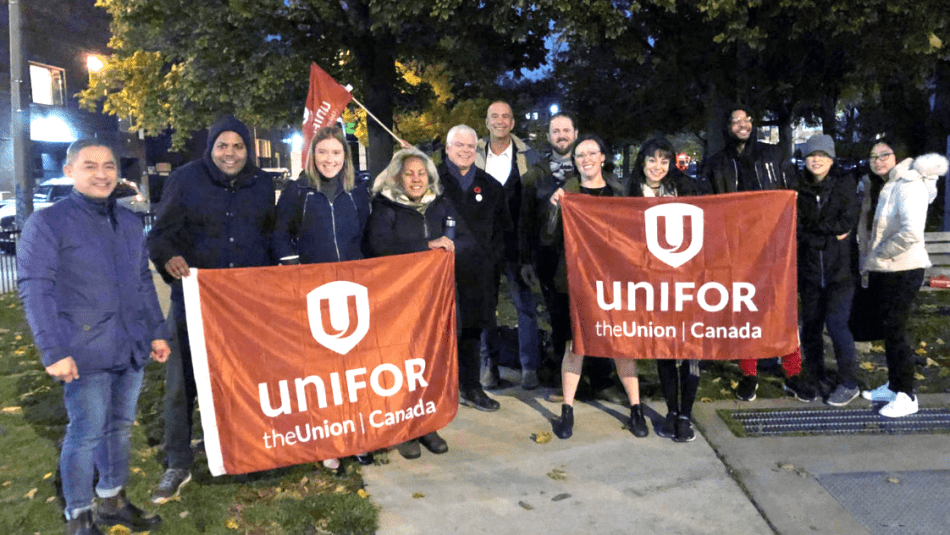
893	259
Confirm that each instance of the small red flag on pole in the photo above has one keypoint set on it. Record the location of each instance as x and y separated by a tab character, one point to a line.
325	103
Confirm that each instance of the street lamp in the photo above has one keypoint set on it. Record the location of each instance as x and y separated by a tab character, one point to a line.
94	63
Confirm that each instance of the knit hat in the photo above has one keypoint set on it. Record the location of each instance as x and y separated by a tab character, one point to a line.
819	143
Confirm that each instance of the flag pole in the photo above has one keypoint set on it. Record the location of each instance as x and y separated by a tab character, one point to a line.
390	132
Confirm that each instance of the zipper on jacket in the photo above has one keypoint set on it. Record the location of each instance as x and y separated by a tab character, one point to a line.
758	178
735	169
821	254
336	245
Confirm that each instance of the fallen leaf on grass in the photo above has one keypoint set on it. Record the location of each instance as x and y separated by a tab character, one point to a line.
12	410
866	366
542	437
340	489
362	493
304	480
725	392
920	351
706	400
940	341
51	499
717	379
931	362
923	344
525	506
7	483
137	470
919	376
418	495
557	474
183	514
944	372
119	530
734	384
29	495
48	475
232	524
877	347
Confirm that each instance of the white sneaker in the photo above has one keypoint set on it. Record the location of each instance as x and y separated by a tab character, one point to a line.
903	405
881	393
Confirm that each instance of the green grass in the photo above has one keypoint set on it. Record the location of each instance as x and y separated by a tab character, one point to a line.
304	499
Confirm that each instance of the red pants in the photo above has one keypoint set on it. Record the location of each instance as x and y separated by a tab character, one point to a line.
791	363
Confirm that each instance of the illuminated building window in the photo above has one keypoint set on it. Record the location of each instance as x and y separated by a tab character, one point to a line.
49	84
263	148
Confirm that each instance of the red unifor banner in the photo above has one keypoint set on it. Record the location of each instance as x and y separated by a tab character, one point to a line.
297	364
710	277
326	100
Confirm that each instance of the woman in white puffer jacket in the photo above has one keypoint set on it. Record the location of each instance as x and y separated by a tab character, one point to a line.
893	259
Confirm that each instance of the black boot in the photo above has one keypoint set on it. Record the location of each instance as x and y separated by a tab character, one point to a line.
117	510
564	426
82	524
638	424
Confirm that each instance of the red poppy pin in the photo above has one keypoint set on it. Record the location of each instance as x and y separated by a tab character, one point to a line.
478	189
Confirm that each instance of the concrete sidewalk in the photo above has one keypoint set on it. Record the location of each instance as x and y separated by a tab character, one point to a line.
603	480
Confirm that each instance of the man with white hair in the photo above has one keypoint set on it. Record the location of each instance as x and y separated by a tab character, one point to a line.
482	219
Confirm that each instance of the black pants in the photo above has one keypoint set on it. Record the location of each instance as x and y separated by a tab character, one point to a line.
469	362
180	390
679	389
895	293
829	306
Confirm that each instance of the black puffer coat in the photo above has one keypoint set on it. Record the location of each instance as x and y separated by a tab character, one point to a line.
826	210
395	228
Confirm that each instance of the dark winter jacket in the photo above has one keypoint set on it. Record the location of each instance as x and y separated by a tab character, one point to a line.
759	167
826	210
524	176
552	233
481	221
309	225
396	227
86	285
212	220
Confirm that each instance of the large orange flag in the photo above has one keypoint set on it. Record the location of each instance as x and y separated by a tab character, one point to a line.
297	364
326	100
710	277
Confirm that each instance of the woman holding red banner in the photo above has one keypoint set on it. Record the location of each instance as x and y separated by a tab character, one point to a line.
590	153
653	176
410	215
893	259
321	215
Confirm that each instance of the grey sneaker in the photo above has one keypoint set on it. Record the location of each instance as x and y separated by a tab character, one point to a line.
842	395
490	378
170	485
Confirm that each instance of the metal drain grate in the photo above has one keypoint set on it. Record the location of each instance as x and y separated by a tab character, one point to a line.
840	422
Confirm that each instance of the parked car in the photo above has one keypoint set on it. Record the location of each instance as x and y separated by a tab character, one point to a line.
56	189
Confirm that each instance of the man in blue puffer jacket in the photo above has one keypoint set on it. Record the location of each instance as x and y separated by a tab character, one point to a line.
87	289
216	212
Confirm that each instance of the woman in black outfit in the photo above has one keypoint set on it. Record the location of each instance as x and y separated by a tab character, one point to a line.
409	215
654	176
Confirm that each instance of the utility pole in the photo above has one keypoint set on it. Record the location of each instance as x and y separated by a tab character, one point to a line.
19	117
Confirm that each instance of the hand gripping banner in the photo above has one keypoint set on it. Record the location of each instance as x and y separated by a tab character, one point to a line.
296	364
710	277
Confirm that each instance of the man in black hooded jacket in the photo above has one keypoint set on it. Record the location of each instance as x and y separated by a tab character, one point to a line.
216	212
749	165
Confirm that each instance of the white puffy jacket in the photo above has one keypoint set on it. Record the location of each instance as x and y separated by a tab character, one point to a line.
896	239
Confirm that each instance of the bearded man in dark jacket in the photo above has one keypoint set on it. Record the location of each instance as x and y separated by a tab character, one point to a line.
216	212
749	165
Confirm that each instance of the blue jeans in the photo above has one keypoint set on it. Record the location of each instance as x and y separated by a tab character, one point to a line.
180	390
523	300
101	407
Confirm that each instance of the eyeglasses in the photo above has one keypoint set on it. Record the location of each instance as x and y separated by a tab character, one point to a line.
881	157
747	120
583	155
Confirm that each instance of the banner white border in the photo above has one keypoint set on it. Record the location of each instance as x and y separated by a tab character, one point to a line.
199	363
